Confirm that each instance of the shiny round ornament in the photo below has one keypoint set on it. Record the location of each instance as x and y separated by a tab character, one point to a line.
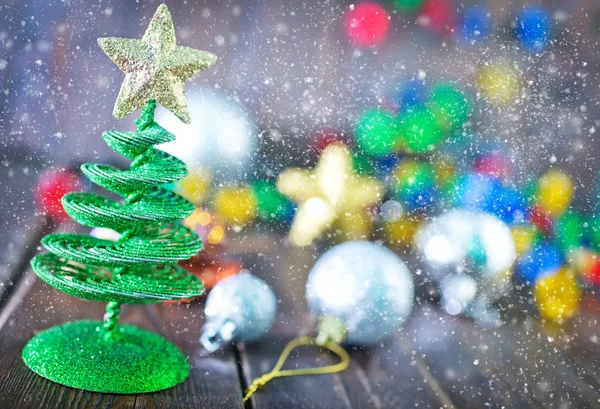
587	263
507	203
401	232
437	15
524	236
411	94
52	185
391	211
366	24
407	5
593	231
557	296
493	164
472	191
196	186
569	230
468	250
540	220
365	286
271	204
242	307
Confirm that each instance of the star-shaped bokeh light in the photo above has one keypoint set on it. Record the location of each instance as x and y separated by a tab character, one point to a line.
326	193
155	67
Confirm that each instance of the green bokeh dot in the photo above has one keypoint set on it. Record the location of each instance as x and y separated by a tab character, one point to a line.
361	164
407	5
272	204
413	176
377	132
420	131
568	231
594	232
449	105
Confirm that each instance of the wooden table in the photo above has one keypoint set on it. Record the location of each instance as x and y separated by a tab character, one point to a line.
437	361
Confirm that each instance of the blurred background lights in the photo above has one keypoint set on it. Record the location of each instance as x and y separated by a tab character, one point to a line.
391	211
221	137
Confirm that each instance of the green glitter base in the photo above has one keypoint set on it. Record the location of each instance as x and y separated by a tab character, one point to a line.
132	361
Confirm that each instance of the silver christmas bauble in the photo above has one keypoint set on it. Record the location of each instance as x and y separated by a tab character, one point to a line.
470	255
241	307
364	285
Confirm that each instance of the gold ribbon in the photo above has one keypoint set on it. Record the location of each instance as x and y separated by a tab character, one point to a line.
276	372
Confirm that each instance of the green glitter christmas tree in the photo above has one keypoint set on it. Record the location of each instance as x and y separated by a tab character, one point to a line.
139	268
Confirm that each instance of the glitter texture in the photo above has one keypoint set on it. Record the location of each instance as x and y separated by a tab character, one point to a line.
140	266
155	67
133	361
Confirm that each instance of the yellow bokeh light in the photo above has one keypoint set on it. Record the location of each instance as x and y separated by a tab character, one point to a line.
195	187
236	205
402	231
557	296
524	236
499	83
555	192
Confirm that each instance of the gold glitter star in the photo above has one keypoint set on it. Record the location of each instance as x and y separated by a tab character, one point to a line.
155	67
326	194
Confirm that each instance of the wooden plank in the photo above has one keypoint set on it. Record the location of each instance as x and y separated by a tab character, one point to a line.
439	341
394	378
536	369
20	246
492	360
214	379
213	383
554	378
579	338
37	309
301	392
379	377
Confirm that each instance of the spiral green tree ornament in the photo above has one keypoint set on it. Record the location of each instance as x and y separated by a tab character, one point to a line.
141	266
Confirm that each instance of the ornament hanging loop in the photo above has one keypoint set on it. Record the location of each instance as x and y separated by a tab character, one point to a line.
276	372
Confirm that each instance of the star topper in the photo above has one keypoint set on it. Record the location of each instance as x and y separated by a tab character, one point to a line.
326	194
155	67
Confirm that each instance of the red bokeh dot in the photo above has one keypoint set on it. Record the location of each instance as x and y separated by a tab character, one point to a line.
367	24
52	185
495	165
326	137
437	15
592	272
540	220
